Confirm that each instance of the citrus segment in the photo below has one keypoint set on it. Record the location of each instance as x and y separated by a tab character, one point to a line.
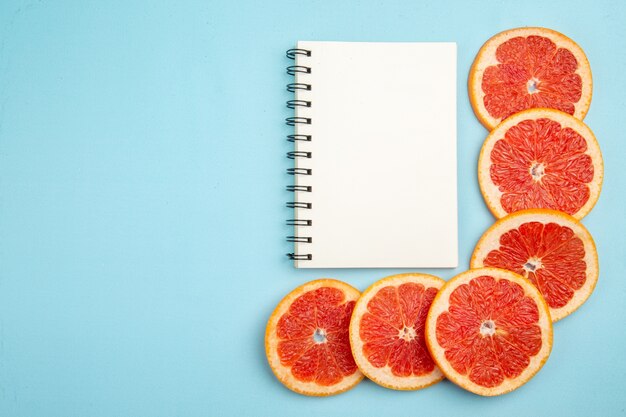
549	248
306	339
489	330
387	332
541	158
528	68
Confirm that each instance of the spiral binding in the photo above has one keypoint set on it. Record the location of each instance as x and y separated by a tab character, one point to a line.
292	104
292	121
300	239
304	138
295	257
299	71
291	53
296	188
293	87
299	222
298	204
298	154
299	171
298	68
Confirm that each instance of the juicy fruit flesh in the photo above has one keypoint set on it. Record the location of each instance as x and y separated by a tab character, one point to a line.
532	72
551	256
314	337
392	329
490	330
539	164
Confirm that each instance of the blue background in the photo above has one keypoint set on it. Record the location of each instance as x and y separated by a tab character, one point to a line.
142	205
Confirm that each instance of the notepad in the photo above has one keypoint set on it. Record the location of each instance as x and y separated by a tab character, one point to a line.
374	175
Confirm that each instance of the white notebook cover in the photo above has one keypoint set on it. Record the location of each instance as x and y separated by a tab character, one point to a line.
383	155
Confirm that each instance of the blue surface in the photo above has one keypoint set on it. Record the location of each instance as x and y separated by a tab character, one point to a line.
142	205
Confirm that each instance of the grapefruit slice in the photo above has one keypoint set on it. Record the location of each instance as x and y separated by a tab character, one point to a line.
489	331
306	339
387	332
541	158
526	68
551	249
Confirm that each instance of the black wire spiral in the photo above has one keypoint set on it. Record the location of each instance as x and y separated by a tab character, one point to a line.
293	121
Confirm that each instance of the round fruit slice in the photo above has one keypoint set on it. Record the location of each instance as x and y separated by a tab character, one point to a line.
306	340
527	68
387	332
541	158
551	249
489	331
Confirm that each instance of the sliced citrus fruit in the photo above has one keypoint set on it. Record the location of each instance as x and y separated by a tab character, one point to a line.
526	68
541	158
306	339
387	332
551	249
489	331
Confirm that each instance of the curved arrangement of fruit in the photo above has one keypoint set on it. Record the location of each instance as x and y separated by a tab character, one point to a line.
526	68
489	329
